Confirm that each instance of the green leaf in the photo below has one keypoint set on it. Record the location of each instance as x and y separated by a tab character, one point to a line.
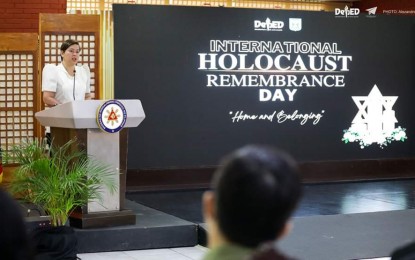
60	182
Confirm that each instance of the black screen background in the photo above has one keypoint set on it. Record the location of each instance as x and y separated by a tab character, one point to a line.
188	125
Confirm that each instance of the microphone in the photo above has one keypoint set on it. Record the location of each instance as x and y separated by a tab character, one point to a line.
74	74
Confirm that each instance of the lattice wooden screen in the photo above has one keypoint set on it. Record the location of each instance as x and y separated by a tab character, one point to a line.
86	6
108	3
83	5
18	88
199	3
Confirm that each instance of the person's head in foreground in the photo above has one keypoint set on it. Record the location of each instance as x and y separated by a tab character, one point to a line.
14	241
254	193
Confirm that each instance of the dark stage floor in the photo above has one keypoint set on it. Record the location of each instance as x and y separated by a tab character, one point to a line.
318	199
353	220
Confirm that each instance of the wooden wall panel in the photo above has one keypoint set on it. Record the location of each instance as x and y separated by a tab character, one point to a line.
27	42
18	88
69	22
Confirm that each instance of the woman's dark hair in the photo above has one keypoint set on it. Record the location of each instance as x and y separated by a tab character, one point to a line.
14	241
257	188
68	43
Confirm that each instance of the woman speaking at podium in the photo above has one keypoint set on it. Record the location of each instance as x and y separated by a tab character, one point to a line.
66	81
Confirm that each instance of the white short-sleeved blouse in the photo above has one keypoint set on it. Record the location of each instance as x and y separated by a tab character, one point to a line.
56	79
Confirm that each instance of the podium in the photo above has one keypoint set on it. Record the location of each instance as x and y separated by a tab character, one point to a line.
78	119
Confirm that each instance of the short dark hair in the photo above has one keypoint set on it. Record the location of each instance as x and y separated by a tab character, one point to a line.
68	43
256	188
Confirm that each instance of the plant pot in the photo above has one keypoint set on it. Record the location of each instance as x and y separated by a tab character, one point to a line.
55	243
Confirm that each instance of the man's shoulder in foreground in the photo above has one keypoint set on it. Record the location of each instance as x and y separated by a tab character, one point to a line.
228	252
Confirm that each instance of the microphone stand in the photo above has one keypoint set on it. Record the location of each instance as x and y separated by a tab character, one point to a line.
74	74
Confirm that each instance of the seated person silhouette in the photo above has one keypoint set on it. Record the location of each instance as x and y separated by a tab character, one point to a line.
254	193
405	252
14	241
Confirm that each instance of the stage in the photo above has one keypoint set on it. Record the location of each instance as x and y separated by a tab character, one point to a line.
352	220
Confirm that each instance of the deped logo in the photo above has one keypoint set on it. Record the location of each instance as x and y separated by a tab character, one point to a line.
347	12
268	25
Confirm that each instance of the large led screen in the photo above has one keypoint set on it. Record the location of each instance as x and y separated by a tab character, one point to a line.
321	85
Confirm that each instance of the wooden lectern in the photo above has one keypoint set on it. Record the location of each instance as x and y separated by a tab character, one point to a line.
78	119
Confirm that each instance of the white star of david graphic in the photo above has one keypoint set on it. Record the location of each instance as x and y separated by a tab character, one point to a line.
375	112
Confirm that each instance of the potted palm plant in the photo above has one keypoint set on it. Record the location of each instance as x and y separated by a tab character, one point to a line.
57	179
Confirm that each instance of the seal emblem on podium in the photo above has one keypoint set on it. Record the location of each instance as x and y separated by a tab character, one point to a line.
111	116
